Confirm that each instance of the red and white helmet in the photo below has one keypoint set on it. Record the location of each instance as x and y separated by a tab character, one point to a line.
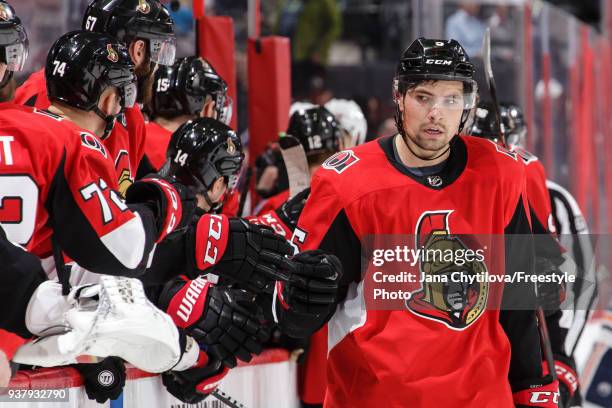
351	118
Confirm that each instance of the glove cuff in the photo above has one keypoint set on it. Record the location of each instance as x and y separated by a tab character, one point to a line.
211	383
186	306
212	234
167	199
273	220
543	393
567	376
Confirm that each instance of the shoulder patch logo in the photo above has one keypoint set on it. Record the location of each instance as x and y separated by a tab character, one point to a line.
341	161
91	142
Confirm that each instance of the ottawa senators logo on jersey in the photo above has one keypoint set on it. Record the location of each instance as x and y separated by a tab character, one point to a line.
122	167
446	295
112	54
341	161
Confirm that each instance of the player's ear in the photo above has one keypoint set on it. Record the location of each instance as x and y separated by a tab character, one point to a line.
219	187
138	52
109	101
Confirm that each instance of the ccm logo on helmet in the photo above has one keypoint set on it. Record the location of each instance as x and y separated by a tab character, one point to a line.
341	161
431	61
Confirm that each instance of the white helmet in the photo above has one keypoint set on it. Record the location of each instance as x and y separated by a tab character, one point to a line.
351	118
296	106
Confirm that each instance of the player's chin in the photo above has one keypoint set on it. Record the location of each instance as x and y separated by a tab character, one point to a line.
433	143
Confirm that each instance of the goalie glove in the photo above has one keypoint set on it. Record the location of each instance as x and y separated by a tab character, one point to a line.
225	322
104	380
172	203
193	385
239	251
308	293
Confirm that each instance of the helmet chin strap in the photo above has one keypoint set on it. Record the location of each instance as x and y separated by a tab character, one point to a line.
109	120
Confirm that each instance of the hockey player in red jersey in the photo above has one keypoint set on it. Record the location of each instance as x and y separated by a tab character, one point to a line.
548	251
188	89
319	133
147	30
426	176
58	179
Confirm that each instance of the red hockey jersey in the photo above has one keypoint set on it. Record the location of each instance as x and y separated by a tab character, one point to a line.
125	144
422	356
158	138
58	179
539	199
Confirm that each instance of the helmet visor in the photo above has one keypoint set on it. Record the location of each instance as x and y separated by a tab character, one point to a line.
446	99
15	48
163	50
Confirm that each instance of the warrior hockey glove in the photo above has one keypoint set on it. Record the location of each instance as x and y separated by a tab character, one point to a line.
240	252
224	321
543	392
307	295
568	382
193	385
172	203
104	380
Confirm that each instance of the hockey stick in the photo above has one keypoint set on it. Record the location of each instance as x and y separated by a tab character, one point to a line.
226	399
296	163
488	70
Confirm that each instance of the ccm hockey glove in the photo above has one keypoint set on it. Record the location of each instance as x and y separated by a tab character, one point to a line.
241	252
568	382
193	385
283	220
172	203
225	322
542	392
308	293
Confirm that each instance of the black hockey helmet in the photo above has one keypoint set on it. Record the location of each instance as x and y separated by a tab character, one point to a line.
13	42
81	65
202	150
181	89
435	60
135	19
514	123
317	129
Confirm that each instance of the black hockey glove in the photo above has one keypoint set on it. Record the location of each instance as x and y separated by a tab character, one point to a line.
550	294
104	380
289	211
308	293
172	203
225	322
569	391
193	385
240	251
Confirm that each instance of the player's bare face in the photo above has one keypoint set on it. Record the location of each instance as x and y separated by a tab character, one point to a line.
431	115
